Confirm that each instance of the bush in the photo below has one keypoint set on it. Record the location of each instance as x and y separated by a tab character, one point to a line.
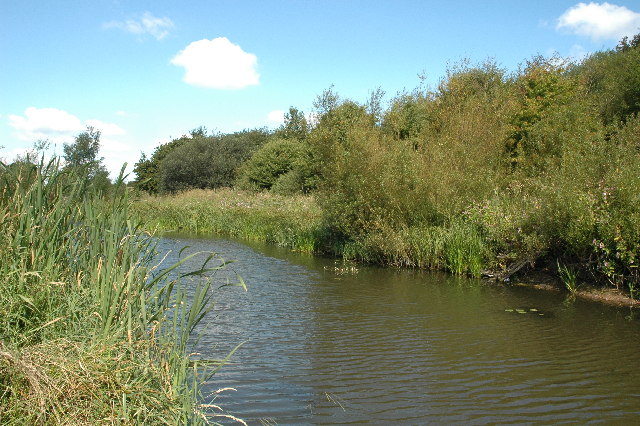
613	82
539	166
208	161
147	170
187	166
274	159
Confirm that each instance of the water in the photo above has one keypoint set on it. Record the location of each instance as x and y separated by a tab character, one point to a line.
329	346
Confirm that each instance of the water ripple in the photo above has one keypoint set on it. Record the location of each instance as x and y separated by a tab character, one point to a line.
413	348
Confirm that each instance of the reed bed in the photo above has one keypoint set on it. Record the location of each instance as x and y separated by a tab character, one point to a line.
92	330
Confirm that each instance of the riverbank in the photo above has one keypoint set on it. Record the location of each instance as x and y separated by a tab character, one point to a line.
489	173
296	223
291	222
546	282
92	329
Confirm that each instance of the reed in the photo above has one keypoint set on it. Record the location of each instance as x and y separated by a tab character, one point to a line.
92	330
569	278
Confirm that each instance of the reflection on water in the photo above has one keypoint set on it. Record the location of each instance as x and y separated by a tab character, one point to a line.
381	345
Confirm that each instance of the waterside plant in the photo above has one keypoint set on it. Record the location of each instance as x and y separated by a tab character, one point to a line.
292	222
296	222
92	330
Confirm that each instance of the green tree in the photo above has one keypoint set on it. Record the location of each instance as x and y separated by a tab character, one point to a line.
208	161
612	79
408	115
272	161
83	152
230	151
82	157
295	125
187	166
374	105
325	103
147	170
542	88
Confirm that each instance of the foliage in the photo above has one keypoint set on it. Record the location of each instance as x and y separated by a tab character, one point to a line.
295	125
612	80
292	221
484	172
569	278
408	115
206	161
90	331
326	102
84	151
82	157
271	161
541	88
523	160
279	165
147	170
188	166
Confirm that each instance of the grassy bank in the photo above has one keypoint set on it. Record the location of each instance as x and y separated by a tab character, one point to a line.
92	331
291	222
513	232
296	222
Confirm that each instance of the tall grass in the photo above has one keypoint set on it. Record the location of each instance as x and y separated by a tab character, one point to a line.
296	222
291	222
91	331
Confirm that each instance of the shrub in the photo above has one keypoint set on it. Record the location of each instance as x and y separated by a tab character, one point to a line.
273	160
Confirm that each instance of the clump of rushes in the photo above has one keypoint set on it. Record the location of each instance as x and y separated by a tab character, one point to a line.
91	332
569	278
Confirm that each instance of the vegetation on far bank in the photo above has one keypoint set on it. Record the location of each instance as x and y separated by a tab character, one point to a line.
293	222
92	329
488	171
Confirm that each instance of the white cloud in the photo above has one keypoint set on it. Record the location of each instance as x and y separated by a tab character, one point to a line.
147	25
106	129
600	21
58	127
276	116
45	123
217	64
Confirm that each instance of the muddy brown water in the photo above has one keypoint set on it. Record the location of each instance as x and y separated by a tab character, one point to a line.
328	344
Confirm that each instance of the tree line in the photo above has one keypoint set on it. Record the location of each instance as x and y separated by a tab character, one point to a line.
537	166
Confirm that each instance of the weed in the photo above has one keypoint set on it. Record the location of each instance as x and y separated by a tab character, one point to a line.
569	278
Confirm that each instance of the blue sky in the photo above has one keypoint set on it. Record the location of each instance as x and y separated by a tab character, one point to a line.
144	72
